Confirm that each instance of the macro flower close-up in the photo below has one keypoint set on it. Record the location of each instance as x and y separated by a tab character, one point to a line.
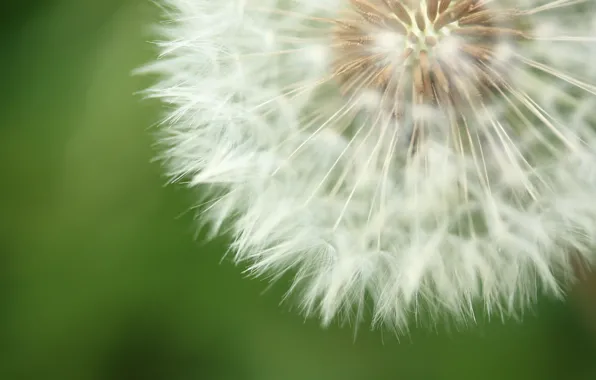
394	157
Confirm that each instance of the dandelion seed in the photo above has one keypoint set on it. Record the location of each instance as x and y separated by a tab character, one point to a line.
411	156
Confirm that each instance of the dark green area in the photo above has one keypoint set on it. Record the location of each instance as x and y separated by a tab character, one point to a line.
102	275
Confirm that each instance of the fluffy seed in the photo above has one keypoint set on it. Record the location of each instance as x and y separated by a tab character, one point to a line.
403	158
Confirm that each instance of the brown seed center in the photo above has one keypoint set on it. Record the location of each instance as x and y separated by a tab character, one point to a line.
439	53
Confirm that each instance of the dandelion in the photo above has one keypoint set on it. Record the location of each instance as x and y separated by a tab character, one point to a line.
394	156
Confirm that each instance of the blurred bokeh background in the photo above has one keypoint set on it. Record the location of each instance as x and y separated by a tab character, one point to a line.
103	274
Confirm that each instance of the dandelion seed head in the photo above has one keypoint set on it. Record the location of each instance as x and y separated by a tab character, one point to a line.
395	157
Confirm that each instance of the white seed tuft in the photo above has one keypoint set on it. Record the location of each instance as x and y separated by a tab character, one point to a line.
406	155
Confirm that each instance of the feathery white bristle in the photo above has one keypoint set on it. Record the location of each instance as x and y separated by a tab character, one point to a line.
473	182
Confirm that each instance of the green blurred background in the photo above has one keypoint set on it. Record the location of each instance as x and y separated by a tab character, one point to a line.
104	276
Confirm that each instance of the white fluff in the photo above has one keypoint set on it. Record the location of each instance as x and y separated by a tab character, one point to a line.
308	185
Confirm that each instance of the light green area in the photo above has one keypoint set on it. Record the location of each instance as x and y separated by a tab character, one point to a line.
103	277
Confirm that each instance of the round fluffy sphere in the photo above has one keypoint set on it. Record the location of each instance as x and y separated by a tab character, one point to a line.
389	153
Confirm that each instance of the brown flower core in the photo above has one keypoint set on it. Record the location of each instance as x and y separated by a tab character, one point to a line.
447	54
